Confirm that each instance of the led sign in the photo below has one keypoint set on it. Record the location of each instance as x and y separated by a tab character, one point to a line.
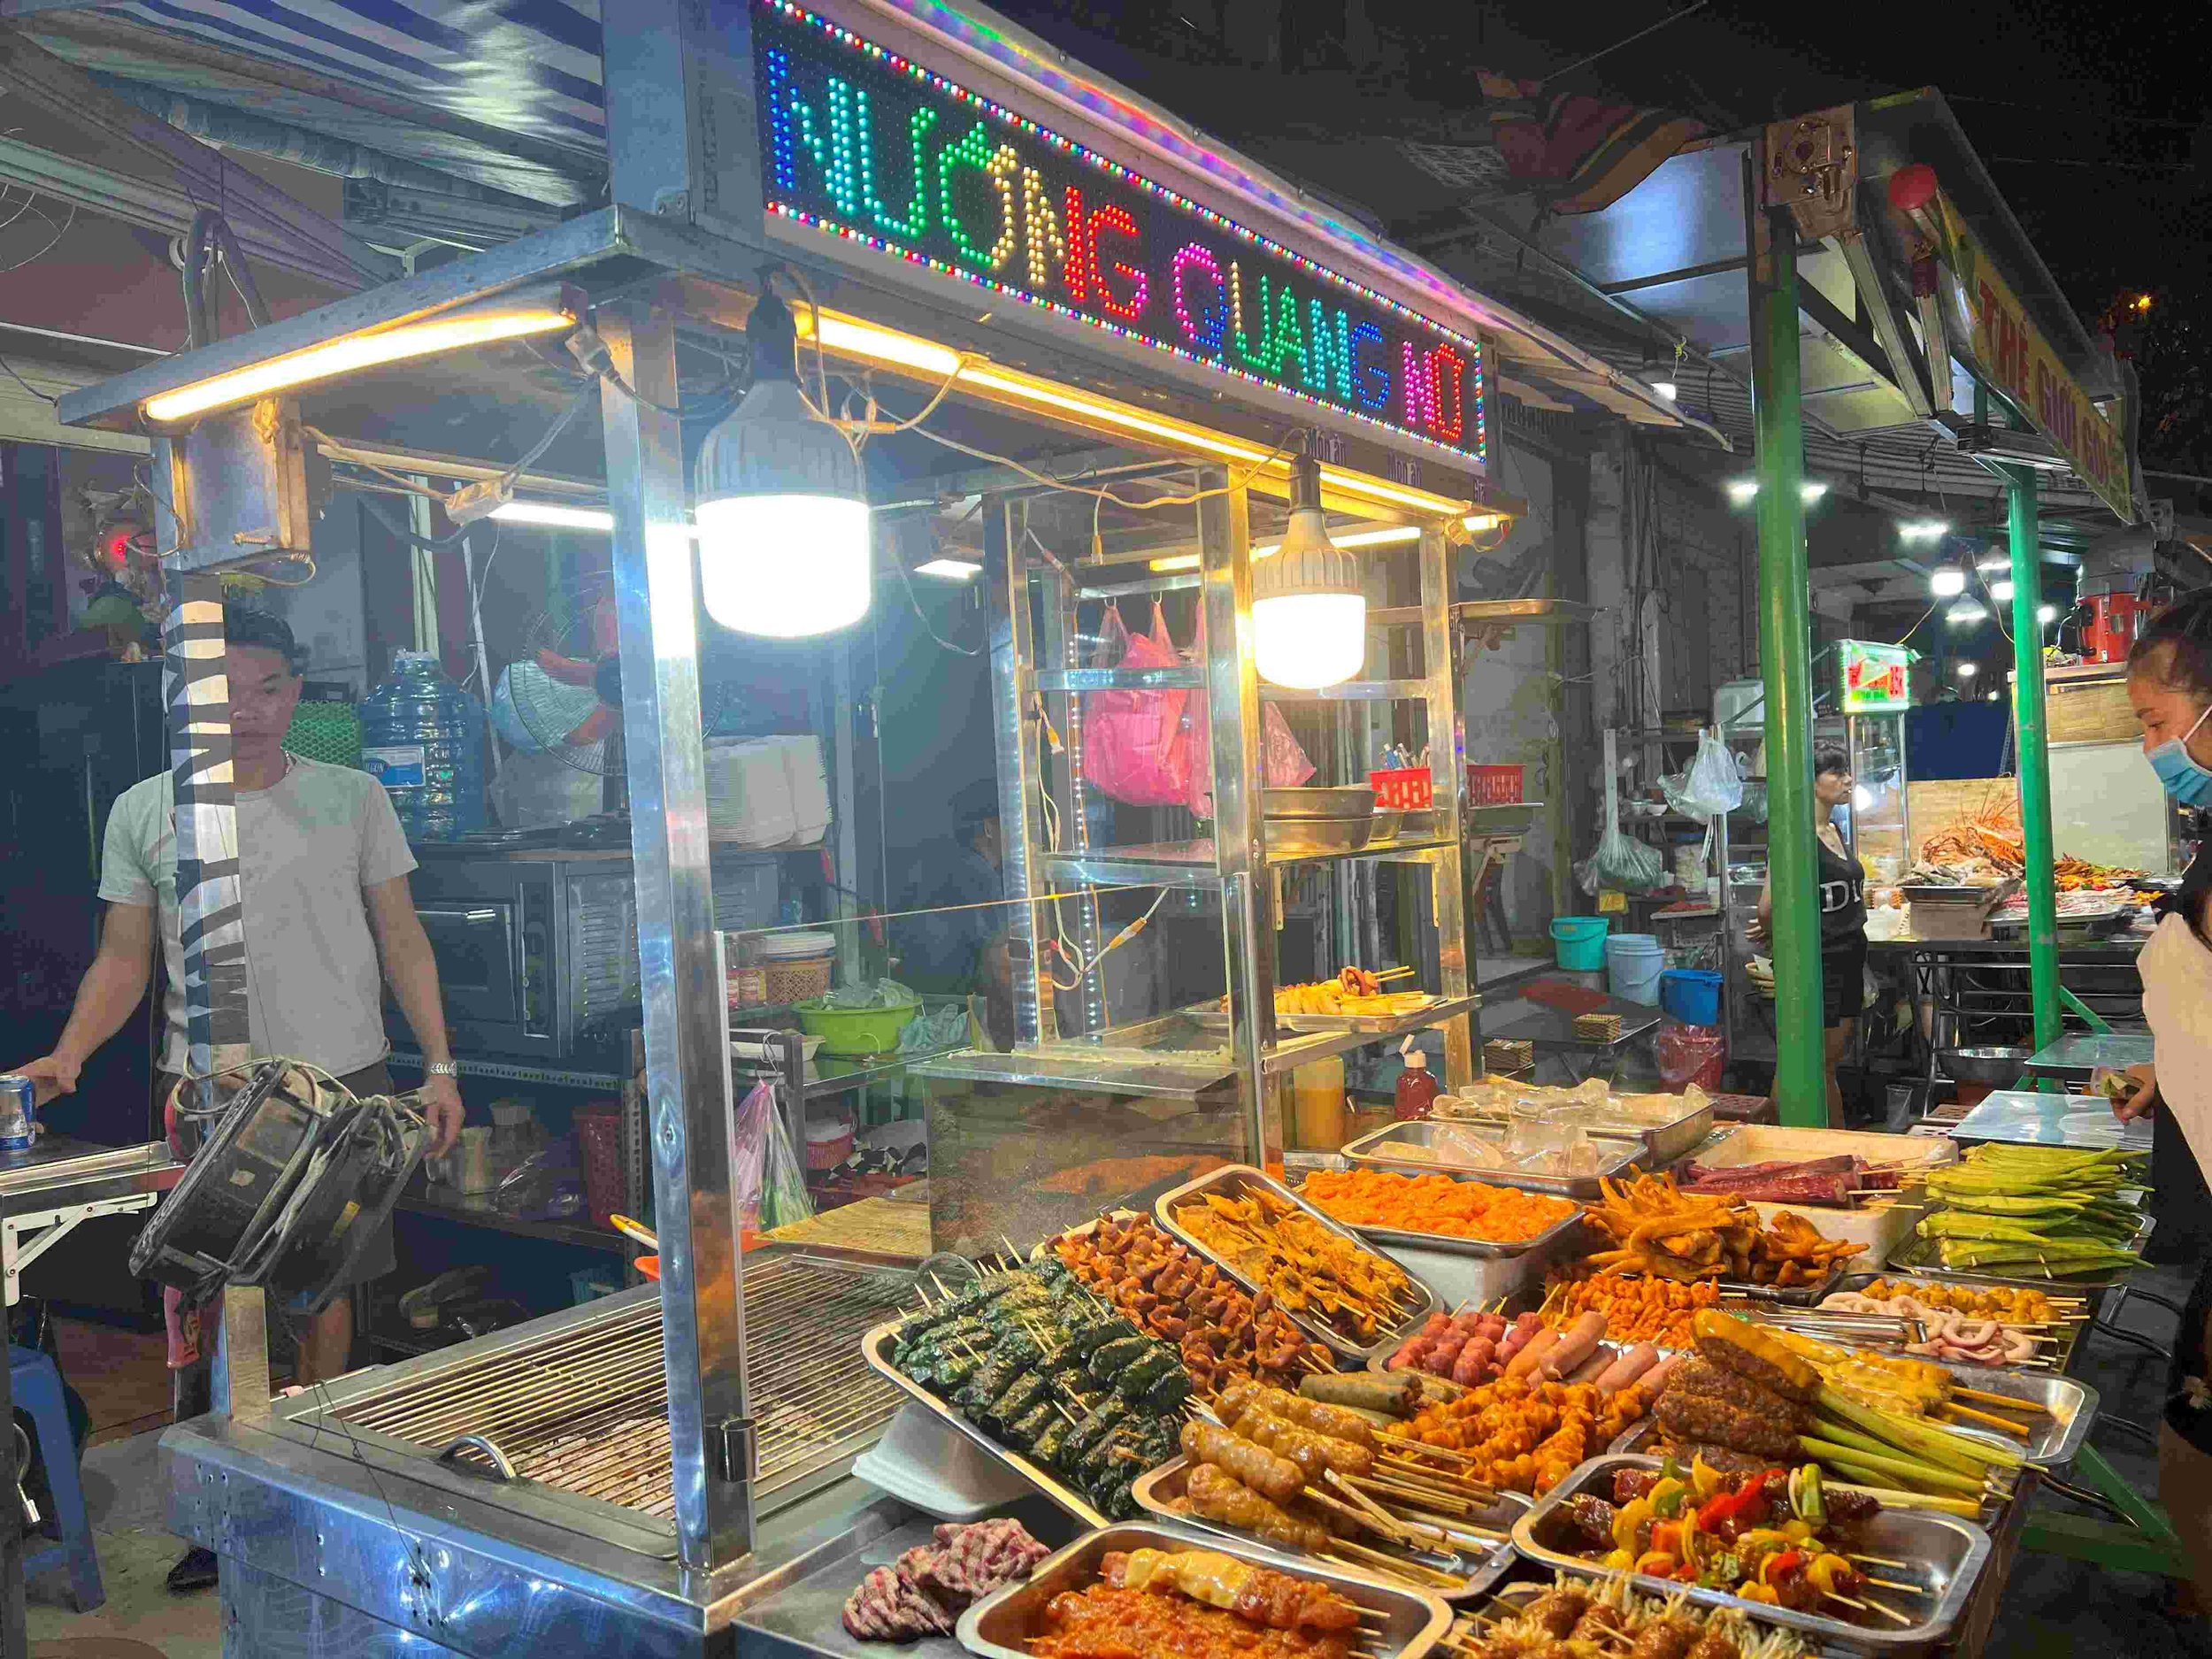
1877	677
865	144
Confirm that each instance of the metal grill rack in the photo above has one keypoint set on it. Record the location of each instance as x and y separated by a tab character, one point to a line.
584	1408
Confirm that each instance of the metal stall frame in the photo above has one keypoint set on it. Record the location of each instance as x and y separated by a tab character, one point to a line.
299	1513
1036	660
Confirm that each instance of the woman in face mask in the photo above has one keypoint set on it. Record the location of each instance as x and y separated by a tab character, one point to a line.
2169	684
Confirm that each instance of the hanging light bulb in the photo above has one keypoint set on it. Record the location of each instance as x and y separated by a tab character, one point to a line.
1308	614
2000	590
1946	583
785	548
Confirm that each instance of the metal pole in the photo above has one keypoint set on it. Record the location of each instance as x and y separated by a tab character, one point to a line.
1448	777
1784	627
1232	713
687	1012
2031	721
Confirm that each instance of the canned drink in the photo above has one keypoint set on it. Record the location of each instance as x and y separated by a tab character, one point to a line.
19	1113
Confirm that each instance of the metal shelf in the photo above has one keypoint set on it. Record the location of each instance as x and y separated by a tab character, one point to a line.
513	1071
1303	1048
1191	864
1351	691
1481	611
481	1213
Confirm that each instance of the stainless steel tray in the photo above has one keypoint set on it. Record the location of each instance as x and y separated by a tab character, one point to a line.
1216	1018
1236	1178
1663	1142
1161	1490
1451	1244
2101	1278
1616	1155
875	1347
1943	1554
1000	1627
2061	1355
1792	1295
2073	1407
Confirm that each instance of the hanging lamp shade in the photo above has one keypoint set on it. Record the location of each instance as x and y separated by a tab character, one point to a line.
785	548
1309	612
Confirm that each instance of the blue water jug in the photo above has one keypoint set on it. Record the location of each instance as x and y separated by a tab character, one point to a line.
422	737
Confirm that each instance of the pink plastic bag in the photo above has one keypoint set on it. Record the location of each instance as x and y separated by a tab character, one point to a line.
1135	748
1283	762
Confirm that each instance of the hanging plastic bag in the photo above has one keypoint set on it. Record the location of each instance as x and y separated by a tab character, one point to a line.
1712	785
767	1180
1133	746
1284	763
1621	860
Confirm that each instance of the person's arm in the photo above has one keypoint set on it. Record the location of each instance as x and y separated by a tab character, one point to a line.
110	989
402	950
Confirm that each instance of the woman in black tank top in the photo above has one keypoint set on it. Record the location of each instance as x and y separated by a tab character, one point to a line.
1842	892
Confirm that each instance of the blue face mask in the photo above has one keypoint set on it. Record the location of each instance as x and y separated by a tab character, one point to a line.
2187	781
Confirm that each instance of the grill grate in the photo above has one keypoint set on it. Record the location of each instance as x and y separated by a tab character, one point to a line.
586	1411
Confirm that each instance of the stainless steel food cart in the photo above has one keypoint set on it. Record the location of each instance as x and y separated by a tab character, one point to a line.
453	1504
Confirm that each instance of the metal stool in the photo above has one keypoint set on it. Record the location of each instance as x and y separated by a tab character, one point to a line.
37	1386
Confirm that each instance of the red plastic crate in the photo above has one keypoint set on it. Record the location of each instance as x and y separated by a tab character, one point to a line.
1404	789
1494	786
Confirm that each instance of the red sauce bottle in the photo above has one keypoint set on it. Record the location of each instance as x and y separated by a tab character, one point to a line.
1417	1089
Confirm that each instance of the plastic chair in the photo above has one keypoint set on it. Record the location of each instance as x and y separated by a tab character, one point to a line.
37	1387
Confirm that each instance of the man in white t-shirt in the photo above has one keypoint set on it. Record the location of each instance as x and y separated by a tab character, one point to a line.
323	867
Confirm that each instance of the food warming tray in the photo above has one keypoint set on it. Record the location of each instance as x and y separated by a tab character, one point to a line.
1452	1244
2069	1333
1616	1155
2099	1279
1000	1627
875	1347
1235	1179
1942	1554
1161	1490
1663	1142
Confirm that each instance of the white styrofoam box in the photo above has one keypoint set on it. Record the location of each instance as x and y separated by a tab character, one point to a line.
767	791
809	779
926	1461
1877	1228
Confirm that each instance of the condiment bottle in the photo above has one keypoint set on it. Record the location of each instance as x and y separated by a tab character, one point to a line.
1416	1086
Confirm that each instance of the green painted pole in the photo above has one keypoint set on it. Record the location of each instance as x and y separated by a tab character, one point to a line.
1800	1085
2030	722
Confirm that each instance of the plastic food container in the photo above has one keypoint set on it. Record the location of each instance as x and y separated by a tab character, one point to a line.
795	966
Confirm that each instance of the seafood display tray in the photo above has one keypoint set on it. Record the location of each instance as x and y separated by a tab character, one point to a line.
2069	1331
1000	1627
1945	1555
1160	1490
1236	1179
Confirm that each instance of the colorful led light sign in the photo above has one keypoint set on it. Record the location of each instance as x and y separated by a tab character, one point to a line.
869	146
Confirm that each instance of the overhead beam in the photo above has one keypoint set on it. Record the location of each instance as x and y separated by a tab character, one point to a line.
157	207
1897	342
1847	334
249	203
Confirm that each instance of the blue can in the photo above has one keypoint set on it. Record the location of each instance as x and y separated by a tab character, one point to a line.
19	1113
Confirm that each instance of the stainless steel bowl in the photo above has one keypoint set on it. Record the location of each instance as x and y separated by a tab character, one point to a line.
1353	800
1999	1067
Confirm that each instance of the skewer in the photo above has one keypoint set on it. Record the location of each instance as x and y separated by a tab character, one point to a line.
1878	1561
1892	1584
1433	1495
1382	1521
1885	1609
2007	1425
1414	1570
1386	1527
2006	1400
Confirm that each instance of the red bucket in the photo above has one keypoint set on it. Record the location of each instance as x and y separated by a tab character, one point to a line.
599	1140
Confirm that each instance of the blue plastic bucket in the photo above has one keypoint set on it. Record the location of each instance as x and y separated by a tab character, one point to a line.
1579	942
1690	995
1632	962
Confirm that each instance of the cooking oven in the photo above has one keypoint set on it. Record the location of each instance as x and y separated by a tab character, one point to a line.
534	948
537	946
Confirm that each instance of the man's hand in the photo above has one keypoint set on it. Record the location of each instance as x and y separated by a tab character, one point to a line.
2133	1093
440	1100
51	1075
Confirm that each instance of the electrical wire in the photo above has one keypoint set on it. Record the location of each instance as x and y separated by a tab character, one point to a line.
52	241
9	369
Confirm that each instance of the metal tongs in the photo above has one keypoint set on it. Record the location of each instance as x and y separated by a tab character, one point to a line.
1834	1323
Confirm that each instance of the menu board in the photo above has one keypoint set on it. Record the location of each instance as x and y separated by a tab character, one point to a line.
1877	677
